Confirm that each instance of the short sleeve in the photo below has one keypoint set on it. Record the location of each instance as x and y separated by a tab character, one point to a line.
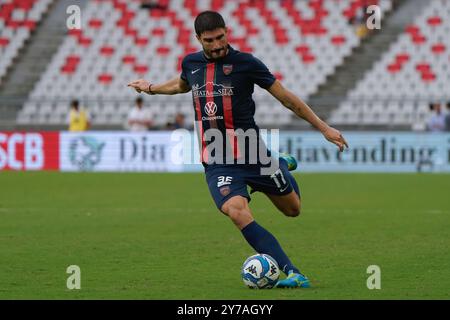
260	74
183	75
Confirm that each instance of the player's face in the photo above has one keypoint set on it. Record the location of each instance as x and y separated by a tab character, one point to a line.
214	43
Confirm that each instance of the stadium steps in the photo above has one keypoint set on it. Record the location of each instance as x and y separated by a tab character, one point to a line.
346	76
33	60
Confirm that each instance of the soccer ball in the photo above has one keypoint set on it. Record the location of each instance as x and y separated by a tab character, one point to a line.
260	271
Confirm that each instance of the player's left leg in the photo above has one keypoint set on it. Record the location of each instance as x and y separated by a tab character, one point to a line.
283	191
281	187
289	205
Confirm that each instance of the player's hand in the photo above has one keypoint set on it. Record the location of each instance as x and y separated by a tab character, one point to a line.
139	85
335	136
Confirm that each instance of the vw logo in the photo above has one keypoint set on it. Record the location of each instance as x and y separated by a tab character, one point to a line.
210	108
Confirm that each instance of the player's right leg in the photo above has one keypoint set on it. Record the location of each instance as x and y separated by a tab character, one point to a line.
237	209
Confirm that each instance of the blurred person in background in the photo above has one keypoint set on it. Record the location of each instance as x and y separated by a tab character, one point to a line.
78	118
180	122
359	20
152	4
436	122
447	118
139	118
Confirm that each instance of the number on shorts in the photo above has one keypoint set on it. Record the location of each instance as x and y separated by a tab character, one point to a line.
277	177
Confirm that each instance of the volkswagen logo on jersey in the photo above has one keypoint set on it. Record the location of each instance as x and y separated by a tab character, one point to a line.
210	108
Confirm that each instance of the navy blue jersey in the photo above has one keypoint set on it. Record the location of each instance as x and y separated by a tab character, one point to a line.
222	94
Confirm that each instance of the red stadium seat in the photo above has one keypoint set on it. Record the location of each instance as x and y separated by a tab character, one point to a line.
216	5
179	61
95	23
302	49
107	51
438	48
308	58
158	32
428	77
13	24
403	57
131	32
4	42
412	29
338	40
71	64
85	42
419	39
398	64
141	69
163	50
29	24
105	78
434	21
73	59
75	33
311	26
129	59
122	23
141	42
394	68
423	67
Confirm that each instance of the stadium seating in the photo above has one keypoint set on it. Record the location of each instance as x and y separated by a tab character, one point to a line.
302	42
412	74
18	18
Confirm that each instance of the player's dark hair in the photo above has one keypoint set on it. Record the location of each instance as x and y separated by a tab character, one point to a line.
139	100
75	103
208	21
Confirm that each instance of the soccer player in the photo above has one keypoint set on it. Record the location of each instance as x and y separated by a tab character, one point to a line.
222	81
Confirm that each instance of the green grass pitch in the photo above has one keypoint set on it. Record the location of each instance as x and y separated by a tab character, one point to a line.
159	236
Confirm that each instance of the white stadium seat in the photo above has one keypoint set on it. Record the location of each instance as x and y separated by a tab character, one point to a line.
417	68
302	42
17	20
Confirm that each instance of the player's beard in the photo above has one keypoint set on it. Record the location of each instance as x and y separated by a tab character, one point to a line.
217	53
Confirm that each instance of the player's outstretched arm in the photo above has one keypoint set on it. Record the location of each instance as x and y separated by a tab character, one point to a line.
301	109
173	86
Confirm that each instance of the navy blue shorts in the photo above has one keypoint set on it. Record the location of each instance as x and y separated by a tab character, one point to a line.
226	181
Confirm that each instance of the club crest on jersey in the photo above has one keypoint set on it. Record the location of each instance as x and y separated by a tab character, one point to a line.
224	191
227	68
